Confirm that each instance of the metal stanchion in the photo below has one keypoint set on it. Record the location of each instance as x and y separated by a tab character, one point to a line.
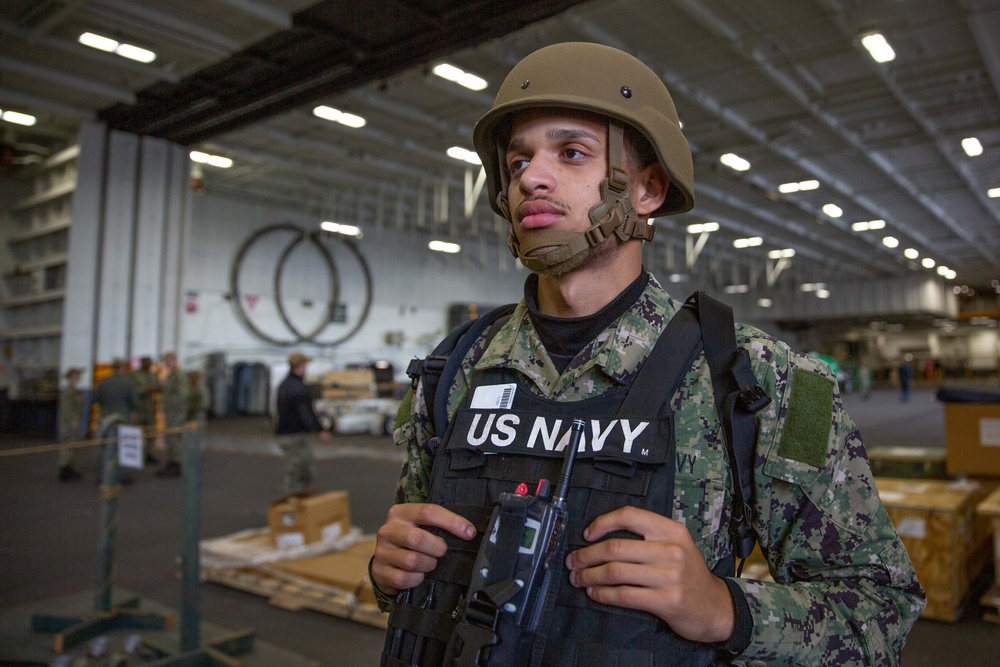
190	558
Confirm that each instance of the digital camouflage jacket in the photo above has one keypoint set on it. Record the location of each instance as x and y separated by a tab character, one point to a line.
844	589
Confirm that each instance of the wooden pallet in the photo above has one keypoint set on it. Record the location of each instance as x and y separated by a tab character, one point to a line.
297	593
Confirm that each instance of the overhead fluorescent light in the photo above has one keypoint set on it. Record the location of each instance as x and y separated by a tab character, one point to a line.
911	253
108	45
444	246
734	161
338	116
812	287
18	118
338	228
993	193
890	241
781	254
765	303
211	160
927	263
459	76
702	227
833	210
465	155
678	277
866	225
801	186
736	289
878	47
972	147
823	293
749	242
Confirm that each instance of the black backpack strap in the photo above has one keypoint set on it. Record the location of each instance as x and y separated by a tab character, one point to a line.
673	354
443	362
738	398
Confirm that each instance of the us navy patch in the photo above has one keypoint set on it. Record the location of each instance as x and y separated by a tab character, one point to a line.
522	432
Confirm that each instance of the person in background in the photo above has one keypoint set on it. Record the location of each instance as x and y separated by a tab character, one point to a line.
197	399
174	400
70	420
296	420
117	401
147	385
905	378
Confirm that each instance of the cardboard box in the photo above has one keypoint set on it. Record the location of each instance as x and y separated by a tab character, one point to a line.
915	462
349	383
346	570
972	438
937	523
989	509
297	520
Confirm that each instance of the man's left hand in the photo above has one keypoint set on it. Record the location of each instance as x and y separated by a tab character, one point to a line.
664	574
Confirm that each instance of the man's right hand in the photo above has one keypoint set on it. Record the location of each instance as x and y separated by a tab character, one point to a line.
405	552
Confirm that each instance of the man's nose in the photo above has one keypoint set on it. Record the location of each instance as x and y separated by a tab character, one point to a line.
538	175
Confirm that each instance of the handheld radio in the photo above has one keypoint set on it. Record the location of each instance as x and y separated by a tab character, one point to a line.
513	569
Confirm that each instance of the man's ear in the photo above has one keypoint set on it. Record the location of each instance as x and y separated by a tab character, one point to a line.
649	189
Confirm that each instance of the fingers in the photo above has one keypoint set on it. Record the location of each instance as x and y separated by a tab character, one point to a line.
405	550
649	525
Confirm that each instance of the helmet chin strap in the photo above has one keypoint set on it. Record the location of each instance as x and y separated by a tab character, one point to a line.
613	214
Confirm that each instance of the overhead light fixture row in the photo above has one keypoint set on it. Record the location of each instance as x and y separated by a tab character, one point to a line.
444	246
750	242
463	154
734	161
993	193
833	210
211	160
18	118
972	147
801	186
867	225
338	228
703	227
108	45
459	76
879	48
785	253
338	116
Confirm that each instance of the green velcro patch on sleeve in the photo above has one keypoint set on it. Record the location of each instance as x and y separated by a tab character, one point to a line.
810	418
405	409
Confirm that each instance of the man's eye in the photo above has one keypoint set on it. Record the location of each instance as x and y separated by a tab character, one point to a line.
518	165
573	154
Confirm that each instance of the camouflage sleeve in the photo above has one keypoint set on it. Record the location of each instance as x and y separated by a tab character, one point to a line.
844	590
411	431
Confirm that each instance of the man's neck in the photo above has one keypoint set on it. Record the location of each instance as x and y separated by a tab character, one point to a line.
583	293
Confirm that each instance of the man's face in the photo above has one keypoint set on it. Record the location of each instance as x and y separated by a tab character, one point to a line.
557	160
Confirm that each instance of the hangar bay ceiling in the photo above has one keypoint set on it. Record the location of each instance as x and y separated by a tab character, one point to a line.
854	169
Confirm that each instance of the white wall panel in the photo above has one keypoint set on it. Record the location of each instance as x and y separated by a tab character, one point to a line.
83	264
149	247
176	234
118	240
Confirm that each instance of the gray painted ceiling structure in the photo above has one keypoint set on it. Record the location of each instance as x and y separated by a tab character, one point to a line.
784	84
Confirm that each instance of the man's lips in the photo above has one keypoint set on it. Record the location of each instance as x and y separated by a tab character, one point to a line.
536	214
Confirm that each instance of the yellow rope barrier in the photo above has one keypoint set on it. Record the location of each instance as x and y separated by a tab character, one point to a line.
79	444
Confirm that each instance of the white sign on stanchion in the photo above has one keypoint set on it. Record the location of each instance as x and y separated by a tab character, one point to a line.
130	447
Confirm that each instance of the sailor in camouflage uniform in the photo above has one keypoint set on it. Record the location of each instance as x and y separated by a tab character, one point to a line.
174	397
70	409
147	385
844	590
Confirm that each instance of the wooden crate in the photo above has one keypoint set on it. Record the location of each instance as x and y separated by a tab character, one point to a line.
915	462
989	509
936	521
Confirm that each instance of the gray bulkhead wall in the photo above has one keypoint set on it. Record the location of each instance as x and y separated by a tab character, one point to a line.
125	248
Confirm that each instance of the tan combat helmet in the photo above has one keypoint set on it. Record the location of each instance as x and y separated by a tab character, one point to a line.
601	79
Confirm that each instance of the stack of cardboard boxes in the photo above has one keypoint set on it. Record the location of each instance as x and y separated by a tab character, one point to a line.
948	541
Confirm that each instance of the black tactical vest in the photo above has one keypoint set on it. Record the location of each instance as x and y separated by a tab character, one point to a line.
503	435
